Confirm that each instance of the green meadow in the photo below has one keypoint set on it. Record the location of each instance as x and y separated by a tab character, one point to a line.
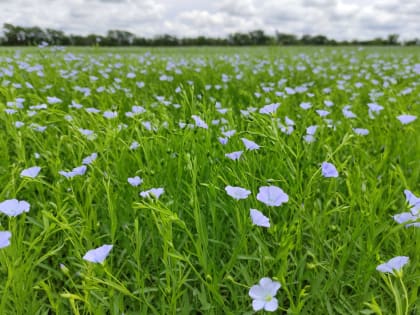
136	148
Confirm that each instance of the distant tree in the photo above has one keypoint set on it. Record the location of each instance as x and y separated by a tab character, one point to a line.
201	40
77	40
35	35
165	40
239	39
94	40
141	41
320	40
393	39
377	41
306	39
412	42
120	38
315	40
14	35
286	39
56	37
258	37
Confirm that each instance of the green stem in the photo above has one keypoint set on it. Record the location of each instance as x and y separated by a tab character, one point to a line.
405	295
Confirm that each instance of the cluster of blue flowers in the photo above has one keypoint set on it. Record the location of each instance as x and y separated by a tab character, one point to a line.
269	95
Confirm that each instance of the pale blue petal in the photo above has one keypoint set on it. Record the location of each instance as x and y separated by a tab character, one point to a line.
98	255
258	304
257	292
272	305
5	238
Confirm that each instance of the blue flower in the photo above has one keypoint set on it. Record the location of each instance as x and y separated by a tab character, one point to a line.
77	171
406	119
413	215
156	192
237	192
199	122
361	131
394	264
263	295
89	159
259	219
250	145
14	207
234	155
134	181
329	170
98	255
269	109
272	196
31	172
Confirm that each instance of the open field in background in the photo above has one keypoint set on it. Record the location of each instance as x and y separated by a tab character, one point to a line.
137	149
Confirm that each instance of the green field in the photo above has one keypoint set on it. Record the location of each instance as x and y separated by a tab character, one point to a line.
172	118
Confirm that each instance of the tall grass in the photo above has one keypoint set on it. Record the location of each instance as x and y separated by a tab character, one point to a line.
195	250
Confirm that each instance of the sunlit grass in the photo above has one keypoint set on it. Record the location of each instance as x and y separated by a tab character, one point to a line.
195	249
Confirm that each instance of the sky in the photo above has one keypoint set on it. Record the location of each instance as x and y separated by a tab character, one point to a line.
338	19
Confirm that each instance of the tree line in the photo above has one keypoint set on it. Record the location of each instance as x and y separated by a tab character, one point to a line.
14	35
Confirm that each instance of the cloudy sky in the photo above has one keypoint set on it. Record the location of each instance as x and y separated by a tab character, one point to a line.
339	19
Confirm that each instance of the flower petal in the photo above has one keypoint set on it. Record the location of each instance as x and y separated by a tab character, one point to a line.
14	207
329	170
404	217
31	172
259	219
272	196
406	119
237	192
154	192
394	264
258	304
272	305
134	181
257	292
273	287
234	155
250	145
99	254
5	238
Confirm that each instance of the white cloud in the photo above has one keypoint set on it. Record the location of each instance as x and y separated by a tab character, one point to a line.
339	19
242	8
84	16
319	3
